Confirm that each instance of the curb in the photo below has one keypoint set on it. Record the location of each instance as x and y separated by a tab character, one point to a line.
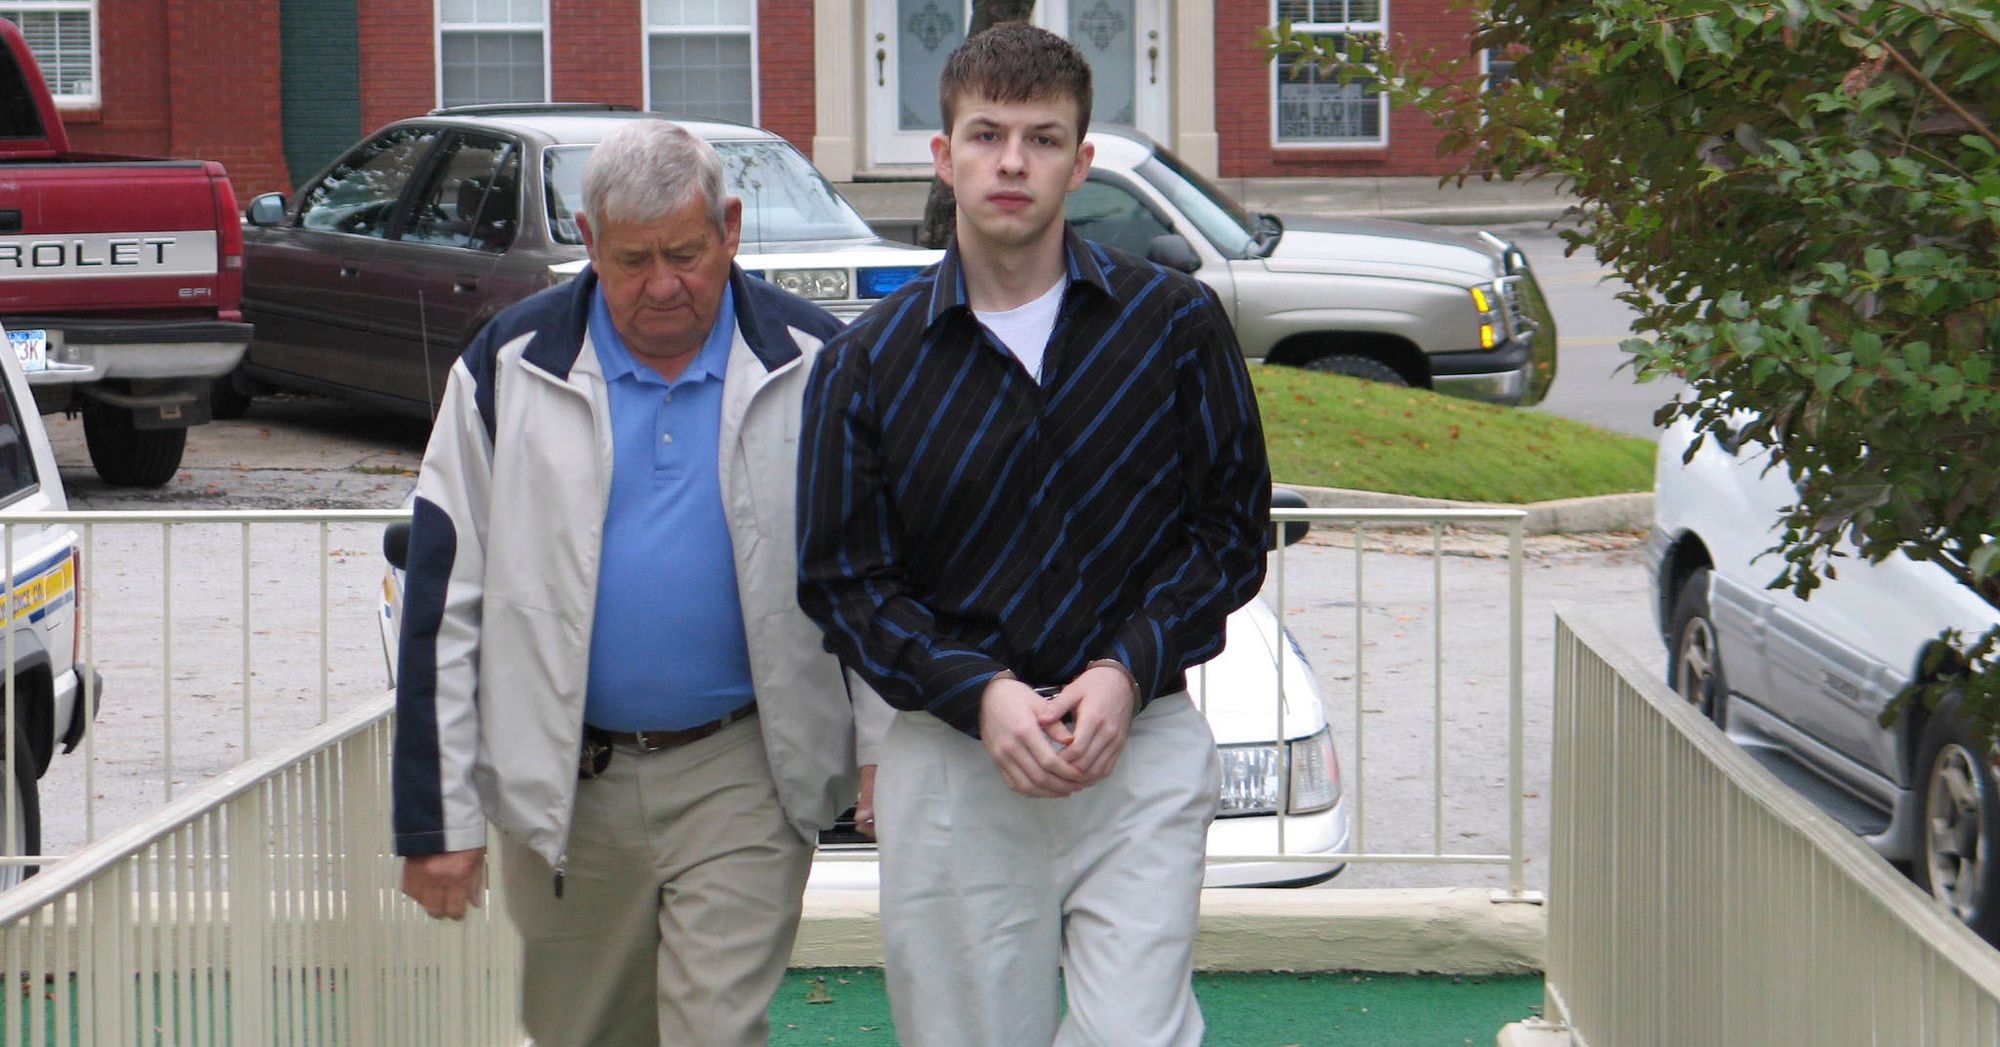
1454	930
1609	512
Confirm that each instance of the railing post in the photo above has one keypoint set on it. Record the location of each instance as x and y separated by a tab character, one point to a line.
249	918
363	934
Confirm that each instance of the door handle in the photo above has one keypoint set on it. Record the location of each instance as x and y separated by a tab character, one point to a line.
350	269
881	58
1153	62
465	285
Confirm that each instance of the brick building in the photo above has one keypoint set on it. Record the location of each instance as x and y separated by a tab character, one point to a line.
276	88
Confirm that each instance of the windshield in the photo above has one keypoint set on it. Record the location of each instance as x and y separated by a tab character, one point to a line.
1222	220
784	196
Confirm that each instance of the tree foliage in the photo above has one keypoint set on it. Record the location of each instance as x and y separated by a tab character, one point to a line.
1803	198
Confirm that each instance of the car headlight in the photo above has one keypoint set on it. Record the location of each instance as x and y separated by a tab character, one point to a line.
1315	773
1251	780
819	285
1256	779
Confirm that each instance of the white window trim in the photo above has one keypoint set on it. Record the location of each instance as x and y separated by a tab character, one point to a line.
95	99
438	31
648	30
1380	29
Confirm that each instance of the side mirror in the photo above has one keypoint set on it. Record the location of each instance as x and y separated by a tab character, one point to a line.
1286	498
396	544
1173	251
268	209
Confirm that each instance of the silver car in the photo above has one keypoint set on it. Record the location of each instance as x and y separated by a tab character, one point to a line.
1396	302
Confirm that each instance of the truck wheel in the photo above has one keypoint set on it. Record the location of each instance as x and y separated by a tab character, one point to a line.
22	835
1361	367
1955	861
225	400
126	455
1694	669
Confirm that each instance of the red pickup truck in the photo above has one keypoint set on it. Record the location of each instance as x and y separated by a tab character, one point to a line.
121	281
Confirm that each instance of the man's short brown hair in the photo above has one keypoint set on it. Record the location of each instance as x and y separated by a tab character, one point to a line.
1016	62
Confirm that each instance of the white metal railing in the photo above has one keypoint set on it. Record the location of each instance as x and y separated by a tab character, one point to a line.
1695	899
261	906
258	908
218	634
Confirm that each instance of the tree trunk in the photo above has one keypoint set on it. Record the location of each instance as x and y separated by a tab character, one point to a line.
941	210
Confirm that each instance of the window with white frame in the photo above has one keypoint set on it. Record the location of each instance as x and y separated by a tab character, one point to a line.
699	58
1315	108
62	35
491	51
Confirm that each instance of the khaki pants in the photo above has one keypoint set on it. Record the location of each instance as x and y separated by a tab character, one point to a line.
681	898
985	890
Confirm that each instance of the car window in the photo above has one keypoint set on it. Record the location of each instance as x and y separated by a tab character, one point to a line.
784	196
359	194
471	199
1221	219
17	460
1110	214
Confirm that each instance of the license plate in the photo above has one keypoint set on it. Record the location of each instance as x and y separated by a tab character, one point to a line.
32	347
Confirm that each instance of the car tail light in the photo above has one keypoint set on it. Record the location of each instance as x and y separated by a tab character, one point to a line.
229	245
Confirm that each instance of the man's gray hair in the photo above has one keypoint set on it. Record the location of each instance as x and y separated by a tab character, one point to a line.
649	169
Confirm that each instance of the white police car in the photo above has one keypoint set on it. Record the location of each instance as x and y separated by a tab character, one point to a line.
47	707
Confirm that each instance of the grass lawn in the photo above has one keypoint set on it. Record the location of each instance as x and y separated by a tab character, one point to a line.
1327	430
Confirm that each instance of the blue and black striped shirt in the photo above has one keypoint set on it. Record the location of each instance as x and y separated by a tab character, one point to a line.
956	518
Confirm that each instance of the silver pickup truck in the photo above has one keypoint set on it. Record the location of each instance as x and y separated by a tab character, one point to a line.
1397	302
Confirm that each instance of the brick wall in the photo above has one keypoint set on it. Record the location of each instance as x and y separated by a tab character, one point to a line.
398	60
786	96
1243	99
597	51
168	90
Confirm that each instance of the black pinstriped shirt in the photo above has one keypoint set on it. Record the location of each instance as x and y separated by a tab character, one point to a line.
956	518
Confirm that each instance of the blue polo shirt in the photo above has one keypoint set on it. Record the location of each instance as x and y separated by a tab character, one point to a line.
666	647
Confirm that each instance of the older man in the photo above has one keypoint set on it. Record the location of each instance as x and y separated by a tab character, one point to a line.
602	653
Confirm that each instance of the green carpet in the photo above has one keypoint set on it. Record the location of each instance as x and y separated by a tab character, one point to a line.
1243	1010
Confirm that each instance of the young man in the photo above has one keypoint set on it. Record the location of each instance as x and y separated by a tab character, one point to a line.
603	653
1039	465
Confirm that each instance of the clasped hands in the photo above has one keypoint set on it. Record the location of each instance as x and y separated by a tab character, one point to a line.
1059	745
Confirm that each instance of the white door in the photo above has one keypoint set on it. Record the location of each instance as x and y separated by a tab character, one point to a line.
1126	43
909	40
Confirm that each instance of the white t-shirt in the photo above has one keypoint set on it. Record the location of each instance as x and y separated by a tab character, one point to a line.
1025	329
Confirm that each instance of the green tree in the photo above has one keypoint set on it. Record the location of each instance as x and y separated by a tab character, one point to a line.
1803	197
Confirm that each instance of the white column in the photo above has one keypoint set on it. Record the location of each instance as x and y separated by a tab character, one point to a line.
837	88
1194	86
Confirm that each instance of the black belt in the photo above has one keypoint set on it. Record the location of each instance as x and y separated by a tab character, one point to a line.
654	741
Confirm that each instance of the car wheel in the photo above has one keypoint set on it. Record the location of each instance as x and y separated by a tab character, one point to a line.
1357	367
225	400
1695	671
125	455
1954	860
23	833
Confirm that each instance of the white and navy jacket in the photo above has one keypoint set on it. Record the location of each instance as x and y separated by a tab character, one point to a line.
502	577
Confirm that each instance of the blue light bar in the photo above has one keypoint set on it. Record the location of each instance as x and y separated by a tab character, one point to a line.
881	283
